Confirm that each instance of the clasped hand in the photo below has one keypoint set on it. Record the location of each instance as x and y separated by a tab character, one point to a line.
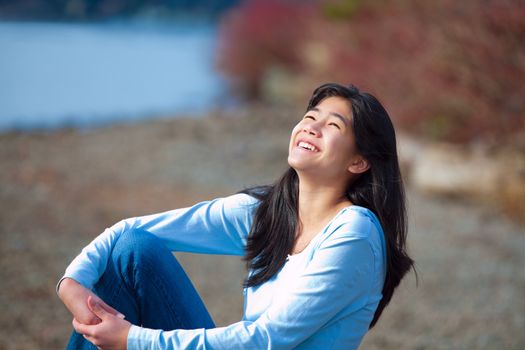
98	322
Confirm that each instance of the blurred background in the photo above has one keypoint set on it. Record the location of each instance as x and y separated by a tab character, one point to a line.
111	109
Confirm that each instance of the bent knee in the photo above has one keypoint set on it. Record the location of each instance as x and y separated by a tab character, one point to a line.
137	243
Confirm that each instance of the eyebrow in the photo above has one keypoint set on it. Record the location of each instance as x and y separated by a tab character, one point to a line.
337	115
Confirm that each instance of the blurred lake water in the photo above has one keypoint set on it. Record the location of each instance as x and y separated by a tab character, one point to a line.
90	74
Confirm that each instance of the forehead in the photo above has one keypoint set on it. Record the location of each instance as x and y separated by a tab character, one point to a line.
335	105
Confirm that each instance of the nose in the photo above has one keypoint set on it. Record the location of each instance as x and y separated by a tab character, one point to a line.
312	129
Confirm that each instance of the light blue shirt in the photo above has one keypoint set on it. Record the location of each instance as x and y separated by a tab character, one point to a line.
323	298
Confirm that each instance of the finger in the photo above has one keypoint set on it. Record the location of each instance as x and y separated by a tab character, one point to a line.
96	308
111	310
91	340
81	328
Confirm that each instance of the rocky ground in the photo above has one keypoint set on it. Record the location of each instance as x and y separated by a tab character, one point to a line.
60	189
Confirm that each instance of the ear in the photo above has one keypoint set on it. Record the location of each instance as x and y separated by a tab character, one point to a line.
359	165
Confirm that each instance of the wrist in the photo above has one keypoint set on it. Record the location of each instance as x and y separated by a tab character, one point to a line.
64	284
126	335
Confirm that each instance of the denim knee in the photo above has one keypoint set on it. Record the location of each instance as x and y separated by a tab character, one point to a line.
137	246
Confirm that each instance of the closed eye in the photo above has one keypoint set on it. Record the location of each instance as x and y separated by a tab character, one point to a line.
309	117
334	124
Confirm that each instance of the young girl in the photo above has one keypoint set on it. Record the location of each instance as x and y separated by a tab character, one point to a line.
325	248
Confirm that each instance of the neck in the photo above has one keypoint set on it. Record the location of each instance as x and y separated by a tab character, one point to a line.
318	201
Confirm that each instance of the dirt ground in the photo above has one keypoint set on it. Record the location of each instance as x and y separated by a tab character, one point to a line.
60	189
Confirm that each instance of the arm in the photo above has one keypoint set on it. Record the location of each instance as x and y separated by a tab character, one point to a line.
219	226
339	278
75	296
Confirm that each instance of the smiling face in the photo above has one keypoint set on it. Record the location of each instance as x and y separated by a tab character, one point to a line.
323	142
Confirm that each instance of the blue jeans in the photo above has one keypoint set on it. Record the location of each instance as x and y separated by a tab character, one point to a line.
145	282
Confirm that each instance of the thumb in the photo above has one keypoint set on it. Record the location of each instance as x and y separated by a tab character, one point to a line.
96	308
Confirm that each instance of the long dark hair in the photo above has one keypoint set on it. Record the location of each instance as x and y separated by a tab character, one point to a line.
379	189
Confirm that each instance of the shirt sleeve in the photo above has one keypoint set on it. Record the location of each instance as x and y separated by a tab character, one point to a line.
339	277
219	226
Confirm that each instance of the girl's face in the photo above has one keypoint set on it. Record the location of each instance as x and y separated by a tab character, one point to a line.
323	142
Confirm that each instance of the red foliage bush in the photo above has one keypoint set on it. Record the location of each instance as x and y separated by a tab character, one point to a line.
451	70
257	35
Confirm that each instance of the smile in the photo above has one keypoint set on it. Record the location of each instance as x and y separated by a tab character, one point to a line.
307	146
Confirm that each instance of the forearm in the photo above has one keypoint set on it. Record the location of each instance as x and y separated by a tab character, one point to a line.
241	335
74	296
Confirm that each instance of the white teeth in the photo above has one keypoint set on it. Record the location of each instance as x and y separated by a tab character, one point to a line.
307	146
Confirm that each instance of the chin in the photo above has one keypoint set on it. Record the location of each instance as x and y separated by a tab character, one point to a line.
292	162
297	166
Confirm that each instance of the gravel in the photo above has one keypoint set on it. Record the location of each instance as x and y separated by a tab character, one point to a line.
60	189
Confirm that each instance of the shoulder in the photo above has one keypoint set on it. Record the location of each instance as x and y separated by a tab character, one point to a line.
240	205
357	222
240	201
358	234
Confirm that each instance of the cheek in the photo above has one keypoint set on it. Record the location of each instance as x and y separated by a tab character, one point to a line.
295	130
344	149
